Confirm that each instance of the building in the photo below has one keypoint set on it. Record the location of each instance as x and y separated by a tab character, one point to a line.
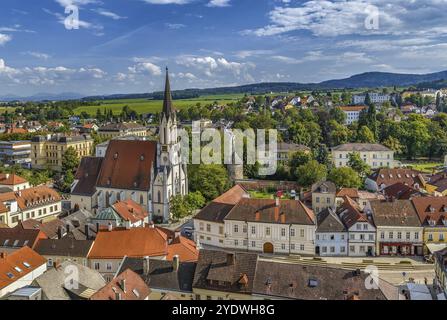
432	212
110	247
83	193
126	213
441	269
209	223
223	275
114	130
40	203
374	155
323	195
361	229
290	281
401	191
399	231
331	236
55	286
382	178
286	150
352	113
437	184
143	171
13	182
126	286
271	226
50	228
376	98
15	152
57	251
13	239
19	269
48	151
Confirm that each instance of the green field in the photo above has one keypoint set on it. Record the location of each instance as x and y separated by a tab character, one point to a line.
426	167
154	106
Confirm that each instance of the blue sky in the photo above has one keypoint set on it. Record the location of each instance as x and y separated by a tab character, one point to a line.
122	46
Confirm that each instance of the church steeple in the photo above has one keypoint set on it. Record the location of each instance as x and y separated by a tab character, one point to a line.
167	101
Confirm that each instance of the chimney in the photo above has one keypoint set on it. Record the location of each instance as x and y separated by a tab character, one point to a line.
258	216
110	227
146	265
176	263
59	232
123	285
277	202
67	228
3	255
230	259
87	232
117	296
283	218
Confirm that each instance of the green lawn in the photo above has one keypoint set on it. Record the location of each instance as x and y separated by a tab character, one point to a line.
426	167
260	195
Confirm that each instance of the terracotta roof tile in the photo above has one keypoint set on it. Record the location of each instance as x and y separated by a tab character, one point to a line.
131	211
10	179
25	259
431	208
128	165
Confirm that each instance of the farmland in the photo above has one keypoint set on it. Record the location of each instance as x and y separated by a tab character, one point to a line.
153	106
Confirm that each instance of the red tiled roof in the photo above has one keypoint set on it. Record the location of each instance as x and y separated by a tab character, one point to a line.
353	108
135	242
184	248
126	286
431	208
391	176
28	198
350	192
349	212
129	210
26	259
232	196
11	179
127	165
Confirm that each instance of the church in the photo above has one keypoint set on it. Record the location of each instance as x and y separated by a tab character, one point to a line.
148	172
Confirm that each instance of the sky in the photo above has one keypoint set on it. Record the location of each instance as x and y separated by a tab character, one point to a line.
123	46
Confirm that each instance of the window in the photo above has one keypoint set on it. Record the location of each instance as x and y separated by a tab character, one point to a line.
441	237
358	227
253	244
365	226
370	237
352	237
391	235
201	226
283	232
342	249
362	249
283	246
324	249
317	199
208	227
244	229
109	266
253	230
430	237
332	249
302	233
382	235
332	237
292	246
50	262
236	243
352	249
302	247
416	235
399	235
221	230
267	231
97	266
408	235
236	228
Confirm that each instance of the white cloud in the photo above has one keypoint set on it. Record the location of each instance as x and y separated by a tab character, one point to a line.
243	54
4	38
175	26
108	14
167	1
145	67
38	55
219	3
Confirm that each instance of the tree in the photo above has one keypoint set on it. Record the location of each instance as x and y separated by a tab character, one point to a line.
393	144
322	154
195	200
179	207
345	177
211	180
338	115
310	173
365	135
70	160
356	163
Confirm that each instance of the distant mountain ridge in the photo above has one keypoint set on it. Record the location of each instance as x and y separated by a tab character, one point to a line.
363	80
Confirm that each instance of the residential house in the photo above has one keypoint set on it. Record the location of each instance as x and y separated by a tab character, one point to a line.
382	178
223	275
286	150
331	236
78	225
361	229
57	251
126	286
374	155
209	225
55	286
19	269
323	195
13	239
432	212
48	151
15	152
41	203
437	184
401	191
291	281
165	278
126	213
114	130
399	231
441	269
271	226
111	246
352	113
13	182
375	97
50	228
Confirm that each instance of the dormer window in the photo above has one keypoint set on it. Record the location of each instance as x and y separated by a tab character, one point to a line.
431	222
115	156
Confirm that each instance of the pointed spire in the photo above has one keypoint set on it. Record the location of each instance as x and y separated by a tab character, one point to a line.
167	102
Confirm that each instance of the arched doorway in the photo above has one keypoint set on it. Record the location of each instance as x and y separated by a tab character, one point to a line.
268	247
